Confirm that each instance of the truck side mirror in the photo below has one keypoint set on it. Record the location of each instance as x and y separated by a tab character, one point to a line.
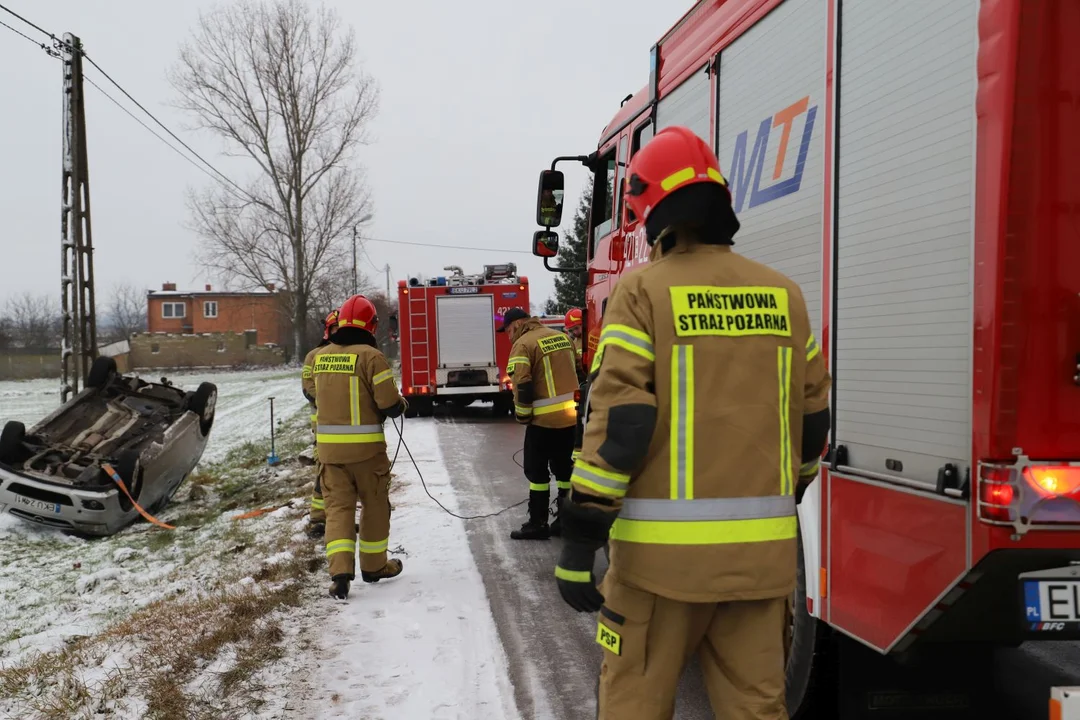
545	243
549	199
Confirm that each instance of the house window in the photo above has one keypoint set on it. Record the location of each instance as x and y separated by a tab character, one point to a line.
209	309
173	310
221	347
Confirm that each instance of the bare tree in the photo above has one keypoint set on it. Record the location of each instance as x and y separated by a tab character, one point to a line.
278	81
33	321
127	312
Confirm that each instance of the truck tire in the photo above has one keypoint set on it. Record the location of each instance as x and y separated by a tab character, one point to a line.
413	409
204	404
101	372
425	408
809	654
11	442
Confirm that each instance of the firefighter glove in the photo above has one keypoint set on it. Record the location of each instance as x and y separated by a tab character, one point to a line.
574	576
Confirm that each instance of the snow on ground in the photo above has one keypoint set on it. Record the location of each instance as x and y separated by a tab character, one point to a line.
422	646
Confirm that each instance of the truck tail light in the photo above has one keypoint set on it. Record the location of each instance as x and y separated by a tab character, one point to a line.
1054	480
996	493
577	396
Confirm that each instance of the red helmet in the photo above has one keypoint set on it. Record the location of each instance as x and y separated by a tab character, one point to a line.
359	312
330	324
573	318
674	159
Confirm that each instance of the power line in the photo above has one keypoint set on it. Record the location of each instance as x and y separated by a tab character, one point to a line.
43	46
149	129
448	247
164	127
36	27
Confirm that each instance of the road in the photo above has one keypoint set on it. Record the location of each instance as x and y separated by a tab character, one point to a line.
554	660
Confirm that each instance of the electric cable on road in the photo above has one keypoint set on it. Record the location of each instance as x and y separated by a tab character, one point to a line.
403	444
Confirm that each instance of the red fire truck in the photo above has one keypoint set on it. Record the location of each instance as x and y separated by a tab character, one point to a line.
450	350
917	172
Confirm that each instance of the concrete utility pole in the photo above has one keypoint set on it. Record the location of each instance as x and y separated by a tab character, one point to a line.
361	221
76	245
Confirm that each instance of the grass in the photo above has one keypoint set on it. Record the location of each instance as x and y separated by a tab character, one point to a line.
195	655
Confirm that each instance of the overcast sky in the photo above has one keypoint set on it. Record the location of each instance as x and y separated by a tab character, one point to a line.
477	96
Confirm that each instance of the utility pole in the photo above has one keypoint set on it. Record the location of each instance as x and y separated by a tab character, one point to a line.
76	245
353	261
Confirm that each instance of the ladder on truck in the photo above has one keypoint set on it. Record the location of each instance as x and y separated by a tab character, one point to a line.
419	350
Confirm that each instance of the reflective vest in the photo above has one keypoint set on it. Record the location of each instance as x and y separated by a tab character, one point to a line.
544	374
719	347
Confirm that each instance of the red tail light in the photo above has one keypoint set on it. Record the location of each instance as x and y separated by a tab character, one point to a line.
577	396
1054	481
996	493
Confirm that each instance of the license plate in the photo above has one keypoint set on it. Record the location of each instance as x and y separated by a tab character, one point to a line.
1051	602
38	504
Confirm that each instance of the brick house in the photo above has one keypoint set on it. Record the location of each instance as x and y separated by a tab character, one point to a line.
215	311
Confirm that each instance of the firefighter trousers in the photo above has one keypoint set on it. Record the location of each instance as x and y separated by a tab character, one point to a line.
547	448
342	485
318	504
648	640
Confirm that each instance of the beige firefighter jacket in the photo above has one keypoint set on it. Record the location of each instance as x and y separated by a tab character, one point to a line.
354	386
307	382
544	373
721	347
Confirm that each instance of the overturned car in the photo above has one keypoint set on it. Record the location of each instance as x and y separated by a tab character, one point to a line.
151	434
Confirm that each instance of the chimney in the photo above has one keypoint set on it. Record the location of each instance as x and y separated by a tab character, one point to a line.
270	287
207	288
168	287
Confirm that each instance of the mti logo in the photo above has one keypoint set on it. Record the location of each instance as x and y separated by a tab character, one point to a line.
742	171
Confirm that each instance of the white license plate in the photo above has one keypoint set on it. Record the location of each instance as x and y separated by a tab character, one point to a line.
38	504
1052	601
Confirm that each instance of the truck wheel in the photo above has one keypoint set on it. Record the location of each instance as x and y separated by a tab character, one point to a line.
11	442
412	410
807	656
101	372
426	408
204	404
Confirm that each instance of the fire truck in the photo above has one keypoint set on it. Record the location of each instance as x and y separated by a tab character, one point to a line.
917	172
450	350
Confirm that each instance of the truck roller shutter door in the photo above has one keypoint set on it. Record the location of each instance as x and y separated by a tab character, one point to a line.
905	231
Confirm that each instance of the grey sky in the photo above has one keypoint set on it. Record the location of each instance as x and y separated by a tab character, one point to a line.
477	97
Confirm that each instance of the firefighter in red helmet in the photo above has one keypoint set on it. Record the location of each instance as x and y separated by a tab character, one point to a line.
356	393
317	515
572	323
706	420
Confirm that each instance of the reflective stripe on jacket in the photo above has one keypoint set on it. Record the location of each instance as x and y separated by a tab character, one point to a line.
545	376
307	382
353	383
718	348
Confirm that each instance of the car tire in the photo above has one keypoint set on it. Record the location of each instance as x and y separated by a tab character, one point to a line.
131	472
101	372
204	404
11	442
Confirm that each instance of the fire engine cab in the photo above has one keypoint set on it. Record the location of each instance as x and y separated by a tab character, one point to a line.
917	172
450	350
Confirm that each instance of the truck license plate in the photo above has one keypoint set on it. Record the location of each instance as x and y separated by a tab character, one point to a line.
1049	604
38	504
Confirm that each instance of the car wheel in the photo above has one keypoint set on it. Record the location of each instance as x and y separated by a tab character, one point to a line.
131	472
11	442
101	372
204	404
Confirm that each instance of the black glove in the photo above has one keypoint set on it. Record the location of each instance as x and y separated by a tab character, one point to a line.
585	530
575	578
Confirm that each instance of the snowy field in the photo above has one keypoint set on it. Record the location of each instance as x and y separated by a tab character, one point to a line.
227	616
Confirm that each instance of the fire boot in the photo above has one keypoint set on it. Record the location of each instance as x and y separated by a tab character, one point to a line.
339	586
391	569
316	530
531	531
537	527
556	525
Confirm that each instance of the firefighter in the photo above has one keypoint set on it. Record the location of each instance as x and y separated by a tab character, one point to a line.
572	323
706	418
542	365
355	389
317	516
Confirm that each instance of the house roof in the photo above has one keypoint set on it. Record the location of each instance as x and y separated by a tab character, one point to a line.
211	293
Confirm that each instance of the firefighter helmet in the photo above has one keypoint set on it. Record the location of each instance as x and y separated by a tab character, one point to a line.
330	324
359	312
673	160
573	318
